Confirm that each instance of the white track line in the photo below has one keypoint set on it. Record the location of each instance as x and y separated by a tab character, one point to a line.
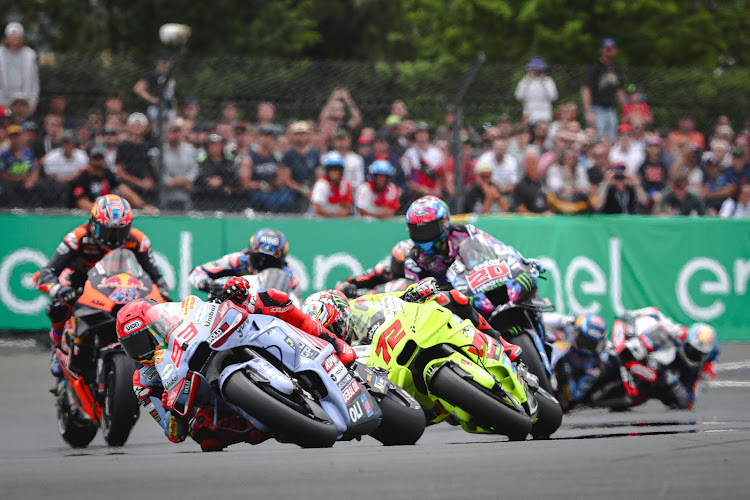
737	365
730	383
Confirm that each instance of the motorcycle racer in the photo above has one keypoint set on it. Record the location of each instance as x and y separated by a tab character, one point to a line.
267	249
386	270
110	226
213	428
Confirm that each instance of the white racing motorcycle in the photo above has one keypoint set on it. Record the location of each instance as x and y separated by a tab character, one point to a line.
283	380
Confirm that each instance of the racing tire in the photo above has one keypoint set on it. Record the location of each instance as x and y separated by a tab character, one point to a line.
284	422
76	434
402	424
533	361
488	412
120	409
549	416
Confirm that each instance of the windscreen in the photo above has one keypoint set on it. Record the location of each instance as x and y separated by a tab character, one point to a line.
163	318
116	262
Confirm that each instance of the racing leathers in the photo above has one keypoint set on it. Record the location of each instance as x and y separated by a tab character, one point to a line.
387	270
233	264
218	427
79	252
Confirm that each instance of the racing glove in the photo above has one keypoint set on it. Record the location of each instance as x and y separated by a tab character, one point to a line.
348	289
164	290
236	289
62	293
421	291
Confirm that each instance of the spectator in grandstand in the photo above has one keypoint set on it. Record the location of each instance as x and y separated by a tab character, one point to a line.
602	90
539	135
19	71
519	142
504	167
397	141
64	163
378	197
113	104
364	145
740	170
354	166
217	177
619	193
718	186
266	180
133	161
97	180
625	152
678	200
537	92
190	110
720	149
529	196
18	172
337	107
563	141
635	109
97	124
109	141
52	131
85	137
653	172
398	108
301	161
447	130
687	158
230	114
468	162
58	105
567	185
598	162
424	165
565	113
20	108
739	206
266	115
686	133
29	134
178	172
148	88
332	195
483	197
381	151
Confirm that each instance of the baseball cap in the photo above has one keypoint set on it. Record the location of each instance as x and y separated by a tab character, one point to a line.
13	129
14	28
380	135
609	43
300	128
98	150
653	140
175	128
137	118
725	130
241	127
69	136
364	139
536	63
392	121
342	132
5	112
215	138
109	131
165	56
632	88
29	126
618	168
481	168
266	130
421	127
737	152
625	128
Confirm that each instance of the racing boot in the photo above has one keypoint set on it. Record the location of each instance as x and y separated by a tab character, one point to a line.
56	338
214	432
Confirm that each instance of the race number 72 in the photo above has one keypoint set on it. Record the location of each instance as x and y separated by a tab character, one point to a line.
390	338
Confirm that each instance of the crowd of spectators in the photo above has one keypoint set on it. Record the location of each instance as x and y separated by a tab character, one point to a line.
337	165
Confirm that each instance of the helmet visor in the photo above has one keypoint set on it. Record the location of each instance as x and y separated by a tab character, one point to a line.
692	354
112	237
425	232
589	344
261	261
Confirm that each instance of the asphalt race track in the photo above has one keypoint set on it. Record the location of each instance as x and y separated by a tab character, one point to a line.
646	453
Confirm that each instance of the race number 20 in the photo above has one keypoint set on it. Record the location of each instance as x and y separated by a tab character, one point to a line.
487	274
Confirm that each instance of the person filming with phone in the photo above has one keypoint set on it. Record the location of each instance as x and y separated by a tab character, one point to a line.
620	193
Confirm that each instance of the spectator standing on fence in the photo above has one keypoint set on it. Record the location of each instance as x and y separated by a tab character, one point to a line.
686	133
178	171
620	192
739	207
302	161
18	172
653	173
678	200
97	180
133	160
424	165
266	116
483	197
537	92
378	197
625	152
529	196
217	177
354	165
381	151
19	71
332	195
504	167
602	90
148	87
718	186
261	174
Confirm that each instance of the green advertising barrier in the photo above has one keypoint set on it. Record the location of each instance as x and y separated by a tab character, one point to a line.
692	269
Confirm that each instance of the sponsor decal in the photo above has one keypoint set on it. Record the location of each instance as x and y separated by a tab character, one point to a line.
167	371
145	244
344	382
350	391
355	412
159	356
339	373
379	383
187	305
186	386
366	404
133	326
330	362
308	352
288	341
141	392
72	241
200	313
62	248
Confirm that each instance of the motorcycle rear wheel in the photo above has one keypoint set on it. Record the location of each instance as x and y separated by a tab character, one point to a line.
120	411
402	424
533	361
283	421
549	416
488	412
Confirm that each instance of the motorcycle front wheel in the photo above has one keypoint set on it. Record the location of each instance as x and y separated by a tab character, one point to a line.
78	433
402	424
120	411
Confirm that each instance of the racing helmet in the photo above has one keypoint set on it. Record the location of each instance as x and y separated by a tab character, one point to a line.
591	333
428	219
382	167
399	253
139	326
331	308
110	221
699	344
268	249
